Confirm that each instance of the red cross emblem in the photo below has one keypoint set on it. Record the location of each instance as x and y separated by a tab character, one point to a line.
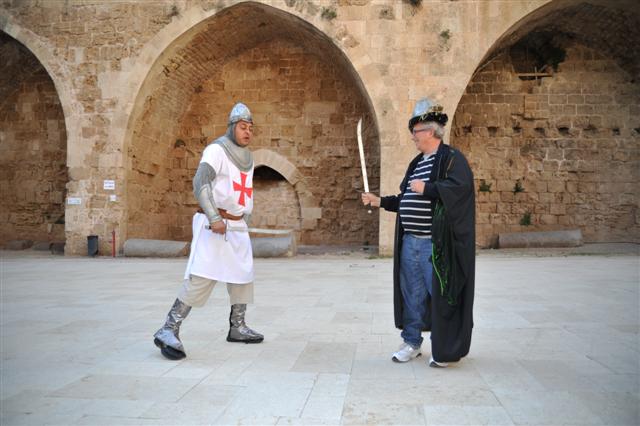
242	188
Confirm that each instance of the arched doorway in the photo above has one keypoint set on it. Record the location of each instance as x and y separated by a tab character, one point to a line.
33	147
306	99
276	204
550	125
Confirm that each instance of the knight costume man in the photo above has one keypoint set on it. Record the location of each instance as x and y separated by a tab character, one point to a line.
220	248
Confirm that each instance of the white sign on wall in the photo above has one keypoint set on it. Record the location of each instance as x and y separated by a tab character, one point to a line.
74	201
109	184
113	197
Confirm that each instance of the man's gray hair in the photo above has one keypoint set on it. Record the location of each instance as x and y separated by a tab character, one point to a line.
438	129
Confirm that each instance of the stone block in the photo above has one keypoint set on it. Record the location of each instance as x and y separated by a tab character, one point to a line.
155	248
57	247
309	223
586	187
18	245
273	243
564	238
482	218
575	99
556	186
503	208
548	219
42	246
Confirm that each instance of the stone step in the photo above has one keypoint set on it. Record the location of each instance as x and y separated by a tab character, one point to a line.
563	238
264	242
138	247
273	242
18	245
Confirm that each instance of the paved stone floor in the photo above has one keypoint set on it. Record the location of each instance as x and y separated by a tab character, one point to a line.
556	341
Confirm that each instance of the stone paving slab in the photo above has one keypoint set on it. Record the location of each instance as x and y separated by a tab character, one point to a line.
556	341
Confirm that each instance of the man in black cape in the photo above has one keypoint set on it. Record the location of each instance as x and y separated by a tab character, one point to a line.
434	250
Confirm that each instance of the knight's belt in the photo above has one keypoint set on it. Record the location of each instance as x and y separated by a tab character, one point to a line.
224	214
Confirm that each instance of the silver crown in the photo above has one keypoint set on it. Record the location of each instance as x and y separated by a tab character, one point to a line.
240	112
426	110
425	106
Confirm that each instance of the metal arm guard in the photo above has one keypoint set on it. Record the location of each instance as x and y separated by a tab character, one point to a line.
204	192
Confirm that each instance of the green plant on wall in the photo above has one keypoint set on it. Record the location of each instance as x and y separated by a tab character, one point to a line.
329	13
445	37
518	187
174	11
525	220
484	186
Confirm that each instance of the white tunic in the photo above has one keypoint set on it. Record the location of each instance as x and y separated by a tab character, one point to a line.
229	257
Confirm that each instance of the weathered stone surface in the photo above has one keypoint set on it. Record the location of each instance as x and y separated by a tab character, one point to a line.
155	248
57	247
19	244
145	85
32	147
305	105
565	173
42	246
570	238
270	243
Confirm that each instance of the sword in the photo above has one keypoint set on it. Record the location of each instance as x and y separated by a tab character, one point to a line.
253	230
256	230
362	164
229	228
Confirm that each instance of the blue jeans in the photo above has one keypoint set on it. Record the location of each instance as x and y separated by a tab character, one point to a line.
415	284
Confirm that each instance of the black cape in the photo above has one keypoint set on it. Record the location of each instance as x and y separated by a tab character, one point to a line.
449	313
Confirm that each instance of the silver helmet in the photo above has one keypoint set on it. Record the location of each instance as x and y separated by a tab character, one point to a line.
240	112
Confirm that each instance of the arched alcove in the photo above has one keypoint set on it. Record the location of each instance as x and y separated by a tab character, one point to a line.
33	149
306	99
276	203
550	124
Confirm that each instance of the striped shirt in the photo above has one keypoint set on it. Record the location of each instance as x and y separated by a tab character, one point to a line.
415	209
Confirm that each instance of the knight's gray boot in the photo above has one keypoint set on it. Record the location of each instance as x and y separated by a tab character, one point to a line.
168	337
238	330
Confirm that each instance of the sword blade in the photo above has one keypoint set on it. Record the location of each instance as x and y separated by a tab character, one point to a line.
362	162
230	228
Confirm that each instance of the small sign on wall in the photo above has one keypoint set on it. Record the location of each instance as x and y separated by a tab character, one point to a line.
74	201
109	185
113	197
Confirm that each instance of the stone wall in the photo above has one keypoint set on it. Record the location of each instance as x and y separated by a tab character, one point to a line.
276	205
304	109
117	65
33	171
562	149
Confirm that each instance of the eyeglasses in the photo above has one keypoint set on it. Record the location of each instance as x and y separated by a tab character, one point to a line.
414	131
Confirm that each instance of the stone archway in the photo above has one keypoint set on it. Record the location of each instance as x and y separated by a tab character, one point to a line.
304	109
33	141
275	202
550	125
76	151
309	210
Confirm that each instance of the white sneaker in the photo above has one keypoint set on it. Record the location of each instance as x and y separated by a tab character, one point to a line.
435	364
405	353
